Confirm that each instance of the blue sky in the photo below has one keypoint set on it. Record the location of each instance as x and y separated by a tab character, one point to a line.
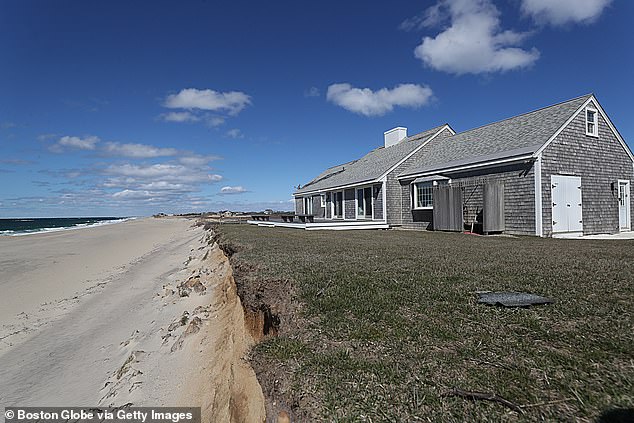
133	108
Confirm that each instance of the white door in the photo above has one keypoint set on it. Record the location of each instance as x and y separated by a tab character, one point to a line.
567	207
624	206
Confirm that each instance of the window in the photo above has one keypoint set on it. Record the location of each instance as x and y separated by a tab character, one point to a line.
308	205
364	203
592	127
323	201
423	195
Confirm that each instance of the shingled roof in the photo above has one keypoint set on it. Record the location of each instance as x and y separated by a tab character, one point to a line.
516	136
369	167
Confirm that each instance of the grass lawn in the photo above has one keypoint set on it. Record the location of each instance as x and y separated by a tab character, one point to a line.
387	323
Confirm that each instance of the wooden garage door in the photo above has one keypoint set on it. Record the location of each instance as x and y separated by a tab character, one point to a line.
567	205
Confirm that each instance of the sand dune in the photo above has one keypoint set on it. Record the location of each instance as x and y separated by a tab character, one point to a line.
143	312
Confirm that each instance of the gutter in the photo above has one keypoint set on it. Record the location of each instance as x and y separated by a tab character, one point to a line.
337	188
525	158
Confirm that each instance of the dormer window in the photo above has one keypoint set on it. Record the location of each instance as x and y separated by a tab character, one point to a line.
592	122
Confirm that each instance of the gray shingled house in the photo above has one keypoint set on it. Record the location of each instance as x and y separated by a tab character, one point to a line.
563	170
354	195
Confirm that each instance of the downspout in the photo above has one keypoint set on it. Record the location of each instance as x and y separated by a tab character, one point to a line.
537	170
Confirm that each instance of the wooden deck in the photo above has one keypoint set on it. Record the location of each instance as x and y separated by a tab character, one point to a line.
323	224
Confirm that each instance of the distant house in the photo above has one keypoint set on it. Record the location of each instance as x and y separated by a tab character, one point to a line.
561	170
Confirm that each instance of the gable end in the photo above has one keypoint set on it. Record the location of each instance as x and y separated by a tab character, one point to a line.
593	104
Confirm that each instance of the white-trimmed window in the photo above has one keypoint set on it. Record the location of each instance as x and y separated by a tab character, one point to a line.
592	122
423	196
423	193
323	201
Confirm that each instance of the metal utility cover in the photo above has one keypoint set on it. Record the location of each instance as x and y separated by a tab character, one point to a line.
512	299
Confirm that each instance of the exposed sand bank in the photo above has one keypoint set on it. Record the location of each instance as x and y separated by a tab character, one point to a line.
143	312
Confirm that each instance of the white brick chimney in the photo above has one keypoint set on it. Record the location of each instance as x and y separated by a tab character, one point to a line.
394	136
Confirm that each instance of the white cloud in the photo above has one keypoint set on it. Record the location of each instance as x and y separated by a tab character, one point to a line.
233	190
197	160
155	170
191	98
118	182
16	162
235	133
163	186
131	150
132	194
127	174
164	183
180	117
561	12
473	42
376	103
166	179
86	143
214	121
207	106
137	151
430	17
46	137
312	92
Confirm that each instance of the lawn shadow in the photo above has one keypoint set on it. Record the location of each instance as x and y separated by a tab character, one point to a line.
617	415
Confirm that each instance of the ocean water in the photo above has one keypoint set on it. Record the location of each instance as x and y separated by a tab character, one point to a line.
50	224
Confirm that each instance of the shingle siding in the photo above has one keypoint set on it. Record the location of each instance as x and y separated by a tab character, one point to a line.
318	210
523	134
349	208
519	198
599	162
413	219
377	191
299	206
395	204
393	200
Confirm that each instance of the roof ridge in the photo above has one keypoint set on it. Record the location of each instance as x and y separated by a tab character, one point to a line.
525	113
409	138
420	134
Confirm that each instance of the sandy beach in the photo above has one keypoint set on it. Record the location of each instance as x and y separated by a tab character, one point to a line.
142	312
